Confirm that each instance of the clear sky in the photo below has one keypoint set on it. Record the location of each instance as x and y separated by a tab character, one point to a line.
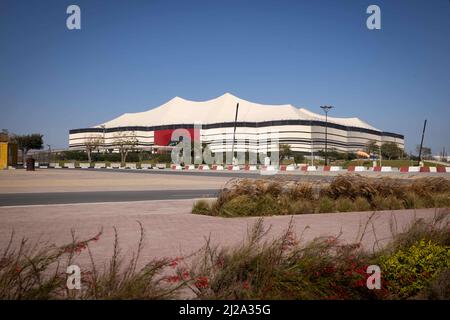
131	56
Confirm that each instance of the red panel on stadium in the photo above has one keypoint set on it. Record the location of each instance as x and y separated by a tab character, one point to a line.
163	137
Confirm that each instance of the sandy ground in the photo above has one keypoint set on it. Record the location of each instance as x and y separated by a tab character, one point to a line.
53	180
171	230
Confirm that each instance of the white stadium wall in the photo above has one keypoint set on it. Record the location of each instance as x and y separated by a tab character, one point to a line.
302	129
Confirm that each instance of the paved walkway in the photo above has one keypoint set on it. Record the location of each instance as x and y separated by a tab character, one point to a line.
171	230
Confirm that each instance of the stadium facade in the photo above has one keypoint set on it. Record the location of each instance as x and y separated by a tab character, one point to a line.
212	122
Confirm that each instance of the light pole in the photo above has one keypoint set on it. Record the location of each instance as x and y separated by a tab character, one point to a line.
234	134
326	109
49	153
103	139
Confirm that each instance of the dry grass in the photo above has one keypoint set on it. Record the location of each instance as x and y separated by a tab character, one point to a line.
39	272
324	268
345	193
260	268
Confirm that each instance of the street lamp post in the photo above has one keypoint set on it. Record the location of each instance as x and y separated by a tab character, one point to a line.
103	138
49	153
326	109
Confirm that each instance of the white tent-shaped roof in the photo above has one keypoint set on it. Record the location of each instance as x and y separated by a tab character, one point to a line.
219	110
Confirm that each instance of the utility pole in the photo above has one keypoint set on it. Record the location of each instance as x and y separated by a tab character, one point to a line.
234	133
421	142
380	153
326	109
103	140
49	153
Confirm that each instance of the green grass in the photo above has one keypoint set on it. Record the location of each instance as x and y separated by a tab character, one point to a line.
386	163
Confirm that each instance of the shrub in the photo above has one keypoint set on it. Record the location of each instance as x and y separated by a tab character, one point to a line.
282	269
414	265
412	201
267	205
388	187
407	271
361	204
438	288
301	207
430	185
242	205
300	191
38	272
441	200
351	186
395	203
201	207
345	193
325	205
387	203
344	205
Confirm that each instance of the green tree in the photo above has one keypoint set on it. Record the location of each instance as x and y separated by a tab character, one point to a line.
299	157
372	147
285	151
4	137
426	152
28	142
125	143
391	151
91	144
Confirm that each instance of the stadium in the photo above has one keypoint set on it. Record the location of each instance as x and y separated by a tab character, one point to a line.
213	122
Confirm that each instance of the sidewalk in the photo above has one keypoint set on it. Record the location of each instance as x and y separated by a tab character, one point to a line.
171	230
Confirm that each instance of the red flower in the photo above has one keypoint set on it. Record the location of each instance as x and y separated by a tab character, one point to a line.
290	241
359	283
173	279
331	240
329	269
220	262
246	285
175	262
202	282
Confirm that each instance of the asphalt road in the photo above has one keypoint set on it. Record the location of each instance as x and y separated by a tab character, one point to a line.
311	176
21	199
207	173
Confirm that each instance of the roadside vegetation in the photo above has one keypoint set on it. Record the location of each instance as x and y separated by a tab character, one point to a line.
108	157
414	265
346	193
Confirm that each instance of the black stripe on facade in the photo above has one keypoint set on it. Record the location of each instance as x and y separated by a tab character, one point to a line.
240	124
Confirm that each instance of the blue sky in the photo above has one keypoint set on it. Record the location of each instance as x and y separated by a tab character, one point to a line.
130	56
